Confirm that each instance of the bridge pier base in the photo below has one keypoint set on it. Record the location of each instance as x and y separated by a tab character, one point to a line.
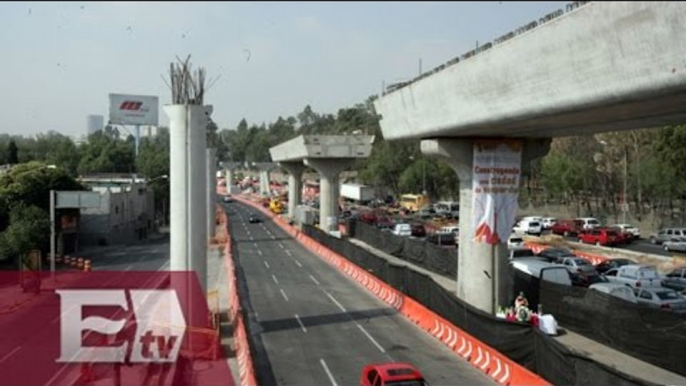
328	170
295	174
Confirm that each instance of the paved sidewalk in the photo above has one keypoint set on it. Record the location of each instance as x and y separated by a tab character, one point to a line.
575	342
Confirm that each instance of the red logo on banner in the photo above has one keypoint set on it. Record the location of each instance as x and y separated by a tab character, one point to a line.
130	105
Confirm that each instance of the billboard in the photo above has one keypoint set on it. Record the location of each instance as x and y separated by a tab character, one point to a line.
495	184
133	110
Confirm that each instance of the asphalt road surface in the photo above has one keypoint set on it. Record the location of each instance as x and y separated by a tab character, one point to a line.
312	325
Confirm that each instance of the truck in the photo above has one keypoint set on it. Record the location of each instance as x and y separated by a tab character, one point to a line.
357	192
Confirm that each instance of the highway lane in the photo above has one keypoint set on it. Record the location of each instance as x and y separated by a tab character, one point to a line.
314	325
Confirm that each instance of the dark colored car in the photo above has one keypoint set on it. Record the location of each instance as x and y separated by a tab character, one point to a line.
253	219
384	223
418	230
676	279
556	254
369	217
582	280
613	263
442	239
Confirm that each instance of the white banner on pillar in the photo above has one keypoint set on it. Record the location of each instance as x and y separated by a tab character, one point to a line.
495	187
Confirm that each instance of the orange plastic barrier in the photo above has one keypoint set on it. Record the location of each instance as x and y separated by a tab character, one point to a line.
592	257
483	357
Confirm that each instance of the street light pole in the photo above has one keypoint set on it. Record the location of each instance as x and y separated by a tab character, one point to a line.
625	206
424	176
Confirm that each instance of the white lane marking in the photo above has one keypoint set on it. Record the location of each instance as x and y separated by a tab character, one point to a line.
314	280
259	252
251	239
371	338
128	268
283	294
266	264
328	373
275	280
335	301
300	322
273	238
298	263
10	354
163	267
255	245
281	246
288	253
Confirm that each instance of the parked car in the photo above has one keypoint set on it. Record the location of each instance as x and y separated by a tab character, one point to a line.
515	241
617	290
384	223
369	217
566	228
676	279
402	229
662	298
450	229
387	374
635	276
442	239
555	255
623	237
418	230
426	213
629	228
668	234
578	265
599	236
548	222
530	227
613	263
587	280
588	223
542	270
522	252
228	199
677	245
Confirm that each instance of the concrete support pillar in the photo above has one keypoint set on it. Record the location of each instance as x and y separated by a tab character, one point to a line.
295	175
211	164
230	167
484	278
329	169
264	168
188	185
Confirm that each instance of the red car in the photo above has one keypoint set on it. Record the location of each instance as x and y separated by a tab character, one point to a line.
623	237
566	228
599	236
391	374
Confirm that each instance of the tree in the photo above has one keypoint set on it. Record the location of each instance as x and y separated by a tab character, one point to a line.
28	229
12	153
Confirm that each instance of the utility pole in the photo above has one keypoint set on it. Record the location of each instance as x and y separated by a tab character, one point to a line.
424	176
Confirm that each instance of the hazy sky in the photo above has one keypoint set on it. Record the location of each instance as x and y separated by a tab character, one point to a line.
60	60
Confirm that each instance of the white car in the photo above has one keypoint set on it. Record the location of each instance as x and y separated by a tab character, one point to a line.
588	223
548	222
635	276
450	229
628	228
526	226
615	289
515	241
678	245
402	230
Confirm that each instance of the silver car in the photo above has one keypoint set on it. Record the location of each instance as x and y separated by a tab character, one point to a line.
668	234
676	279
578	265
675	245
662	298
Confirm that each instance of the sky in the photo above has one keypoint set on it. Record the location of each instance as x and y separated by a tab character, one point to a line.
61	60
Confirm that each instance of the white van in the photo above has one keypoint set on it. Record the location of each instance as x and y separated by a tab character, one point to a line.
528	225
542	270
587	223
617	290
450	229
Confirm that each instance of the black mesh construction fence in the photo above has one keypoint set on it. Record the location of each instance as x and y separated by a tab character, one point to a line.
519	342
441	260
652	335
